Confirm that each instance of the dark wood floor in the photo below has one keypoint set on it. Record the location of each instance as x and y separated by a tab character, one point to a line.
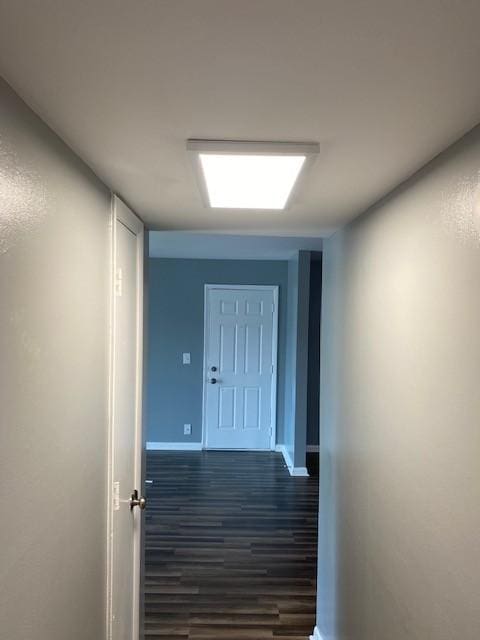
231	543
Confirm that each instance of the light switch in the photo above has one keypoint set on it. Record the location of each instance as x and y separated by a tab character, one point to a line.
187	429
186	358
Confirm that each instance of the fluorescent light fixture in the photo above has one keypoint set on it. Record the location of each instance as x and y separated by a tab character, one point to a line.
249	175
249	182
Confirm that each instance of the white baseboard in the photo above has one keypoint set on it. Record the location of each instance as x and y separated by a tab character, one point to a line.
294	471
299	471
174	446
316	635
313	448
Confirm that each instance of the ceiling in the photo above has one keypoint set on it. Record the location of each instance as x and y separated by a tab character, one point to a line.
382	85
183	244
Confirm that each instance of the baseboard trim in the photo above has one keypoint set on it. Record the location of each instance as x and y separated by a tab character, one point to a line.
299	471
313	448
316	635
174	446
293	471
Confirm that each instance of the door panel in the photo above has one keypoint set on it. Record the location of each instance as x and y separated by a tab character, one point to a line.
252	407
125	523
253	349
240	331
124	440
227	406
228	348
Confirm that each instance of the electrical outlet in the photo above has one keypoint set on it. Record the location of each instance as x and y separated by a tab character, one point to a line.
186	358
187	429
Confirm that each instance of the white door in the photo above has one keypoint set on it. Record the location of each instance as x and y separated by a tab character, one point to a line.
125	524
240	367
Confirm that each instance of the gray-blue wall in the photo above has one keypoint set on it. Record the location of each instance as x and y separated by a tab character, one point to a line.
176	325
301	382
313	388
291	355
298	293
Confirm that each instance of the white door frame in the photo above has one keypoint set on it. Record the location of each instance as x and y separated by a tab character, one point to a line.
273	396
120	213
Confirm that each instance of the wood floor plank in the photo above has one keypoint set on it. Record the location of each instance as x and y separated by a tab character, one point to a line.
231	546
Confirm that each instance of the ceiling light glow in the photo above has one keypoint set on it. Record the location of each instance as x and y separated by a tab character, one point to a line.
249	181
249	175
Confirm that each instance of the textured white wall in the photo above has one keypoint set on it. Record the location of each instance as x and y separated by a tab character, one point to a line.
54	266
399	543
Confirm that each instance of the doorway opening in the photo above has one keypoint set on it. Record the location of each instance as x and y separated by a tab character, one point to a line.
232	457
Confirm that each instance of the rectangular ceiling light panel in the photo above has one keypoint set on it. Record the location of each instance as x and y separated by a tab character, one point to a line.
249	175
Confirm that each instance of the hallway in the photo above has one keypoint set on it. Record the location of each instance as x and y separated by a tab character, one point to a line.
251	225
231	544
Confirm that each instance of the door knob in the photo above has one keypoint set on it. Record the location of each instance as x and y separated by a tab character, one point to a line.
135	501
213	381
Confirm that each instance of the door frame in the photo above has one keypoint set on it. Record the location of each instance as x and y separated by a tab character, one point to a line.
273	395
120	213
